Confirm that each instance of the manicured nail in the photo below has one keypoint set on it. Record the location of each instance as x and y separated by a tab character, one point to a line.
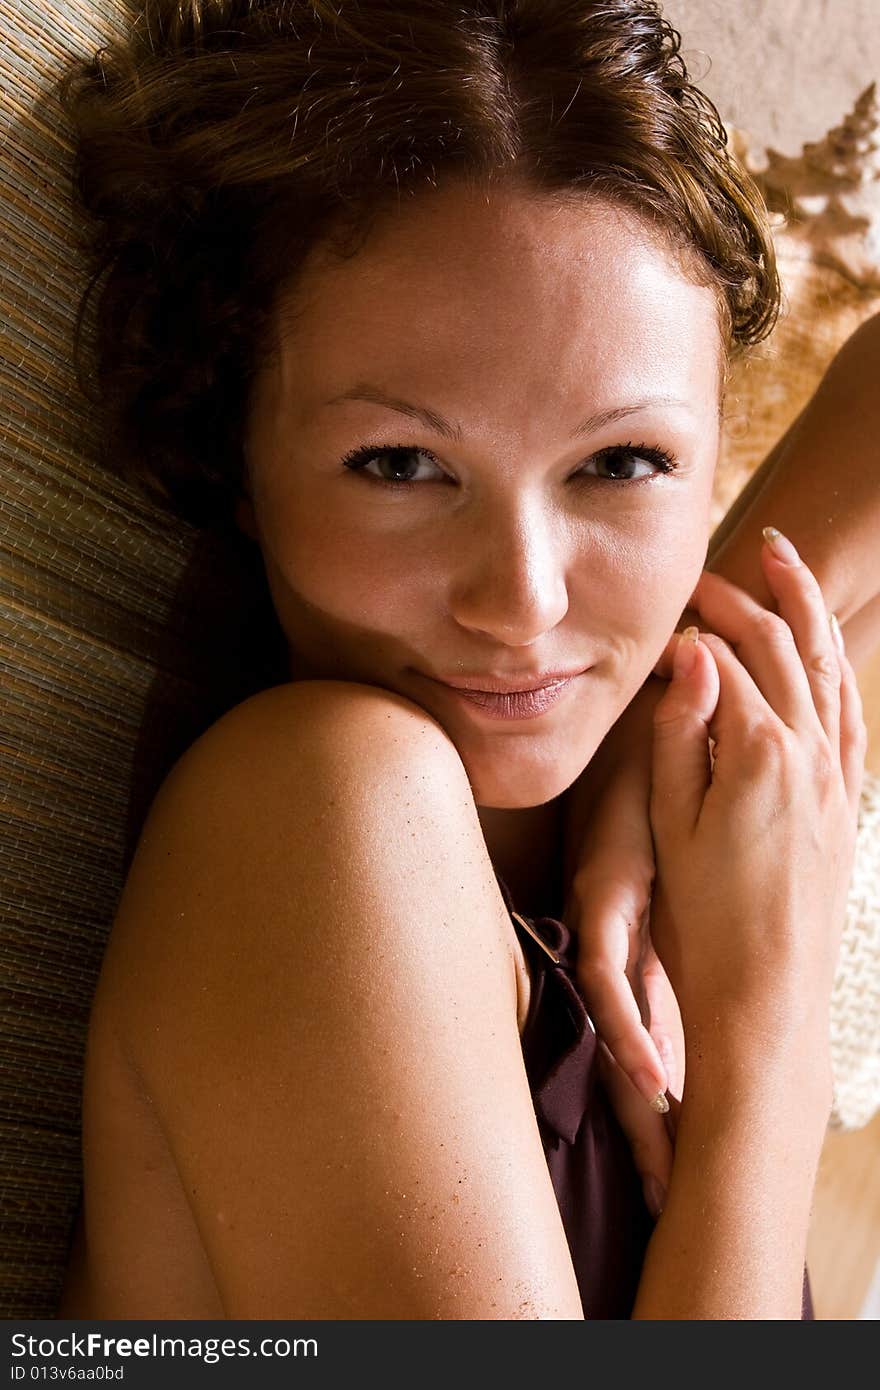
836	633
781	546
648	1087
655	1195
685	652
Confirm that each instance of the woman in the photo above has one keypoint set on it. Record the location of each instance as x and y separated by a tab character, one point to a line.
472	353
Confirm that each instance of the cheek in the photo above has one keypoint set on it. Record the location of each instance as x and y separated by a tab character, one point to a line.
349	572
636	579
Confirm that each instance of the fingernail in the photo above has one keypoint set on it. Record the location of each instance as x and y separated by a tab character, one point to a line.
781	546
836	633
685	652
647	1084
655	1194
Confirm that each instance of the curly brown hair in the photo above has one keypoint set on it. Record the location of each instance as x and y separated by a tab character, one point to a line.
222	138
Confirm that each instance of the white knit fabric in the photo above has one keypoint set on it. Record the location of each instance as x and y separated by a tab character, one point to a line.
855	998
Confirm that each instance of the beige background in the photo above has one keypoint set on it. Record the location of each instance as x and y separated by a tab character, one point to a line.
785	70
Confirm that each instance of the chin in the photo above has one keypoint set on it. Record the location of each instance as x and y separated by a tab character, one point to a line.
506	787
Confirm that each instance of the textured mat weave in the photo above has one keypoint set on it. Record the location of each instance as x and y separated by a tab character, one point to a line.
111	620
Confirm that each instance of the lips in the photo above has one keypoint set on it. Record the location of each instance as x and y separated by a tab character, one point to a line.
500	699
511	684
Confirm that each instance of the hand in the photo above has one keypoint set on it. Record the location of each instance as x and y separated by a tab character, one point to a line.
755	846
619	974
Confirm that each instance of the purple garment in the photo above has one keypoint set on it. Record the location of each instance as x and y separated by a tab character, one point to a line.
597	1186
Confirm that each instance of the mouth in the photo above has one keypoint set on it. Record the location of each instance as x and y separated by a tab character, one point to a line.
511	698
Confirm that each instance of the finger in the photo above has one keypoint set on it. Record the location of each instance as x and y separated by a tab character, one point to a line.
681	770
743	720
801	603
853	733
664	665
603	953
638	935
777	648
648	1135
664	1024
615	1012
608	901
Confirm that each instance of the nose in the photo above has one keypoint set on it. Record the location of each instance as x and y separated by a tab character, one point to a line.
512	583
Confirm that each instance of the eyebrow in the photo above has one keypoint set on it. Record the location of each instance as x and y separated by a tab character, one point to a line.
450	429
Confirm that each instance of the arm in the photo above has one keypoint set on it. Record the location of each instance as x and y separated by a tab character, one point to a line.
789	732
329	1039
821	487
743	1256
312	974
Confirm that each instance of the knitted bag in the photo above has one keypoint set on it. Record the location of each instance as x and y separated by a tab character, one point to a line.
855	999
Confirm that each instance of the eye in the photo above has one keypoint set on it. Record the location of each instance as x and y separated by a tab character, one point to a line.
398	466
628	463
403	465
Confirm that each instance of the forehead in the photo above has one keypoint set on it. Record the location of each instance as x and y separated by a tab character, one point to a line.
528	295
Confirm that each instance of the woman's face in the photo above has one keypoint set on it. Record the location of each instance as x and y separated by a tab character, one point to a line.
513	375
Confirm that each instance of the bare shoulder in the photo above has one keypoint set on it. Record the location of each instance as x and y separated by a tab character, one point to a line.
324	702
299	788
298	726
293	770
310	971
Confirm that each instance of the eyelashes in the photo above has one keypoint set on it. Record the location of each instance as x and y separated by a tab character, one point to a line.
358	459
620	459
